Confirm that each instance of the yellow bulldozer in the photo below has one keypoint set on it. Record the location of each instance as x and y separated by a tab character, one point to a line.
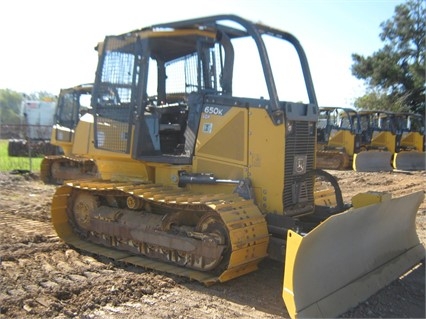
203	182
73	103
400	135
344	141
410	142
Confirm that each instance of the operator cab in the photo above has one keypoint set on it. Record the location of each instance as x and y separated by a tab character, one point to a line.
161	89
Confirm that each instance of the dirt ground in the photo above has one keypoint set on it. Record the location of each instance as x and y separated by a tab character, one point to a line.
41	277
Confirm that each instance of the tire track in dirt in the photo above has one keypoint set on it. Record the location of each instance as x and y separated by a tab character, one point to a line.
39	272
42	277
26	225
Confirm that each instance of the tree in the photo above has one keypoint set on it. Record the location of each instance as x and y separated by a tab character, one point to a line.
395	74
10	105
41	96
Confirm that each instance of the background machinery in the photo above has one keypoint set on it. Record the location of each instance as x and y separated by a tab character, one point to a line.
73	103
383	130
335	140
36	126
390	133
344	141
202	181
410	142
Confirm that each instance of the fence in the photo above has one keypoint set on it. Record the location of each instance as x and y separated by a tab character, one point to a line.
9	131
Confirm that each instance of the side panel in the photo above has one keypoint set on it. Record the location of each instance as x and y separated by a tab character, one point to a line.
219	169
222	134
266	160
384	140
342	138
83	136
221	147
412	140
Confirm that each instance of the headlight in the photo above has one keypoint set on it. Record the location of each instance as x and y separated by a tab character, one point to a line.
290	127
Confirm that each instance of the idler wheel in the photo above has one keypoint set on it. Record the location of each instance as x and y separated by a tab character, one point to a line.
212	223
84	207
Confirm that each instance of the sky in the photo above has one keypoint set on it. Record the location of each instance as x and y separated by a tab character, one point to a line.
47	45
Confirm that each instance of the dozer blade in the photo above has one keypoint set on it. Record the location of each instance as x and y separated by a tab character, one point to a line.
372	161
410	161
350	256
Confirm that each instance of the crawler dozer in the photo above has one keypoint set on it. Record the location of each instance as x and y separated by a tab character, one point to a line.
199	180
73	103
343	142
335	140
410	142
392	134
381	136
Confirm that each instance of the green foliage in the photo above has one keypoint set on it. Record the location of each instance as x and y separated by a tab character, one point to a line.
395	74
10	104
8	116
42	96
374	100
8	164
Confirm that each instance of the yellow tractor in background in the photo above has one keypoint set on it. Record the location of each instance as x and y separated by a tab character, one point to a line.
204	171
410	142
390	133
343	142
73	103
383	130
379	130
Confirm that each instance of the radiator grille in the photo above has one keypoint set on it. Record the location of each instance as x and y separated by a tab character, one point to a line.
298	197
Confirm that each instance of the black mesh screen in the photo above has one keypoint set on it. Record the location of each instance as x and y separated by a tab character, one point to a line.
298	187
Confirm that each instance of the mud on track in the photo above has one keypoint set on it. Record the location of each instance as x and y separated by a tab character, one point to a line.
41	277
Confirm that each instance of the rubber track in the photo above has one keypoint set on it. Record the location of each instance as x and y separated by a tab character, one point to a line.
247	228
